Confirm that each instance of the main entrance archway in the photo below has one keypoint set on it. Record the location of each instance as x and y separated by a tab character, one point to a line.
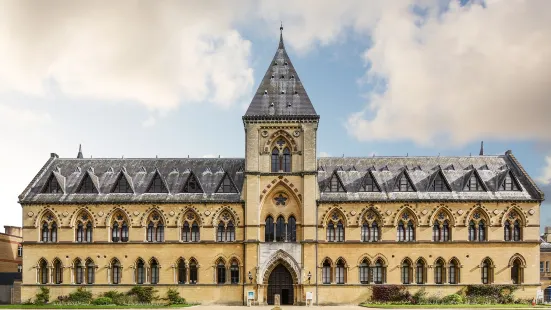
280	282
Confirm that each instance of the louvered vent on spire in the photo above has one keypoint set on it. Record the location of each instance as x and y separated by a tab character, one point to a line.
281	93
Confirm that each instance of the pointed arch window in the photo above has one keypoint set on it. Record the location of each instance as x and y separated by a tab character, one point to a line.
441	228
280	229
269	230
90	271
406	229
477	227
49	228
453	274
119	228
486	271
439	272
190	228
326	272
140	272
370	227
58	272
230	232
45	232
420	272
116	271
84	229
79	271
220	272
292	229
364	271
43	272
220	233
340	272
340	232
517	272
53	232
406	271
275	160
155	228
286	160
181	271
507	231
331	232
193	274
512	229
234	272
154	267
379	271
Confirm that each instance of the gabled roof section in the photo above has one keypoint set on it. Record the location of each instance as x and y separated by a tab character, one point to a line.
473	182
508	182
438	182
369	183
281	94
226	185
334	184
192	185
54	185
123	184
87	185
157	184
403	183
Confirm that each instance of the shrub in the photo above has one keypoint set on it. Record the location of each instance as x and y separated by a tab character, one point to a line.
173	297
117	298
102	301
390	293
453	299
420	297
43	296
144	294
81	296
499	294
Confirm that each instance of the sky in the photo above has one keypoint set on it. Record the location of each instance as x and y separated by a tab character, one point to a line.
173	78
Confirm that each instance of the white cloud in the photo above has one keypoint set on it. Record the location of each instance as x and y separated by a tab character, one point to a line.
545	177
324	154
159	54
468	74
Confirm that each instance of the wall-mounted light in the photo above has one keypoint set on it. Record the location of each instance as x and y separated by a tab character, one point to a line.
309	276
250	277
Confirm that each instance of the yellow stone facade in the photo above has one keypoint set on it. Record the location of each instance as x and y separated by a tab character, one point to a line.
54	263
10	249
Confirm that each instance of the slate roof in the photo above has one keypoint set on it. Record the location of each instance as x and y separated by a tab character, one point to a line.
104	173
421	171
281	94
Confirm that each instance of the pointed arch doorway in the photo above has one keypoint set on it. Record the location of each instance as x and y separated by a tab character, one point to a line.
280	282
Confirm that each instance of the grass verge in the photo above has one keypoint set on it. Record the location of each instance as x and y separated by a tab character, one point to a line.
461	306
91	306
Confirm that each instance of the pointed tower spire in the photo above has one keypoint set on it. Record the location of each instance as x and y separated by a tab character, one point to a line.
481	148
79	155
281	94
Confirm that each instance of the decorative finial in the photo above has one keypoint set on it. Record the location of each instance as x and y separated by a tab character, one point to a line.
481	148
281	28
79	155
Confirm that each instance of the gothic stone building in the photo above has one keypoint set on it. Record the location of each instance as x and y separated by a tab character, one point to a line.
280	220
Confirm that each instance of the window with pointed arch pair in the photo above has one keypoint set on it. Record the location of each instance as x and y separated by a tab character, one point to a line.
338	275
221	272
406	231
439	269
84	232
280	231
84	273
49	232
184	270
281	161
155	228
372	274
225	232
141	275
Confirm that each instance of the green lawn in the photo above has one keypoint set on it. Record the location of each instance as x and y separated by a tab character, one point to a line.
90	306
466	306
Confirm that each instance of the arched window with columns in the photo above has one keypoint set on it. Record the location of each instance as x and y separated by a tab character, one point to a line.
379	272
119	227
190	227
43	272
57	272
335	227
364	271
84	227
420	271
281	156
155	228
477	226
182	274
439	271
269	235
441	227
512	228
326	272
220	271
116	271
370	227
193	271
517	271
225	231
90	271
48	228
140	276
487	271
78	268
453	271
234	272
406	271
154	271
340	271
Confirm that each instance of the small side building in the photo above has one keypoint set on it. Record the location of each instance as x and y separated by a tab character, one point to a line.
11	264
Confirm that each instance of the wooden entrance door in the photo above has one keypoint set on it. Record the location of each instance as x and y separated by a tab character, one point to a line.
280	282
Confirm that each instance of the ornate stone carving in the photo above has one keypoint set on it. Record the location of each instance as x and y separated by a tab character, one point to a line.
496	211
100	213
65	214
531	211
460	211
136	213
30	214
171	213
296	133
207	213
